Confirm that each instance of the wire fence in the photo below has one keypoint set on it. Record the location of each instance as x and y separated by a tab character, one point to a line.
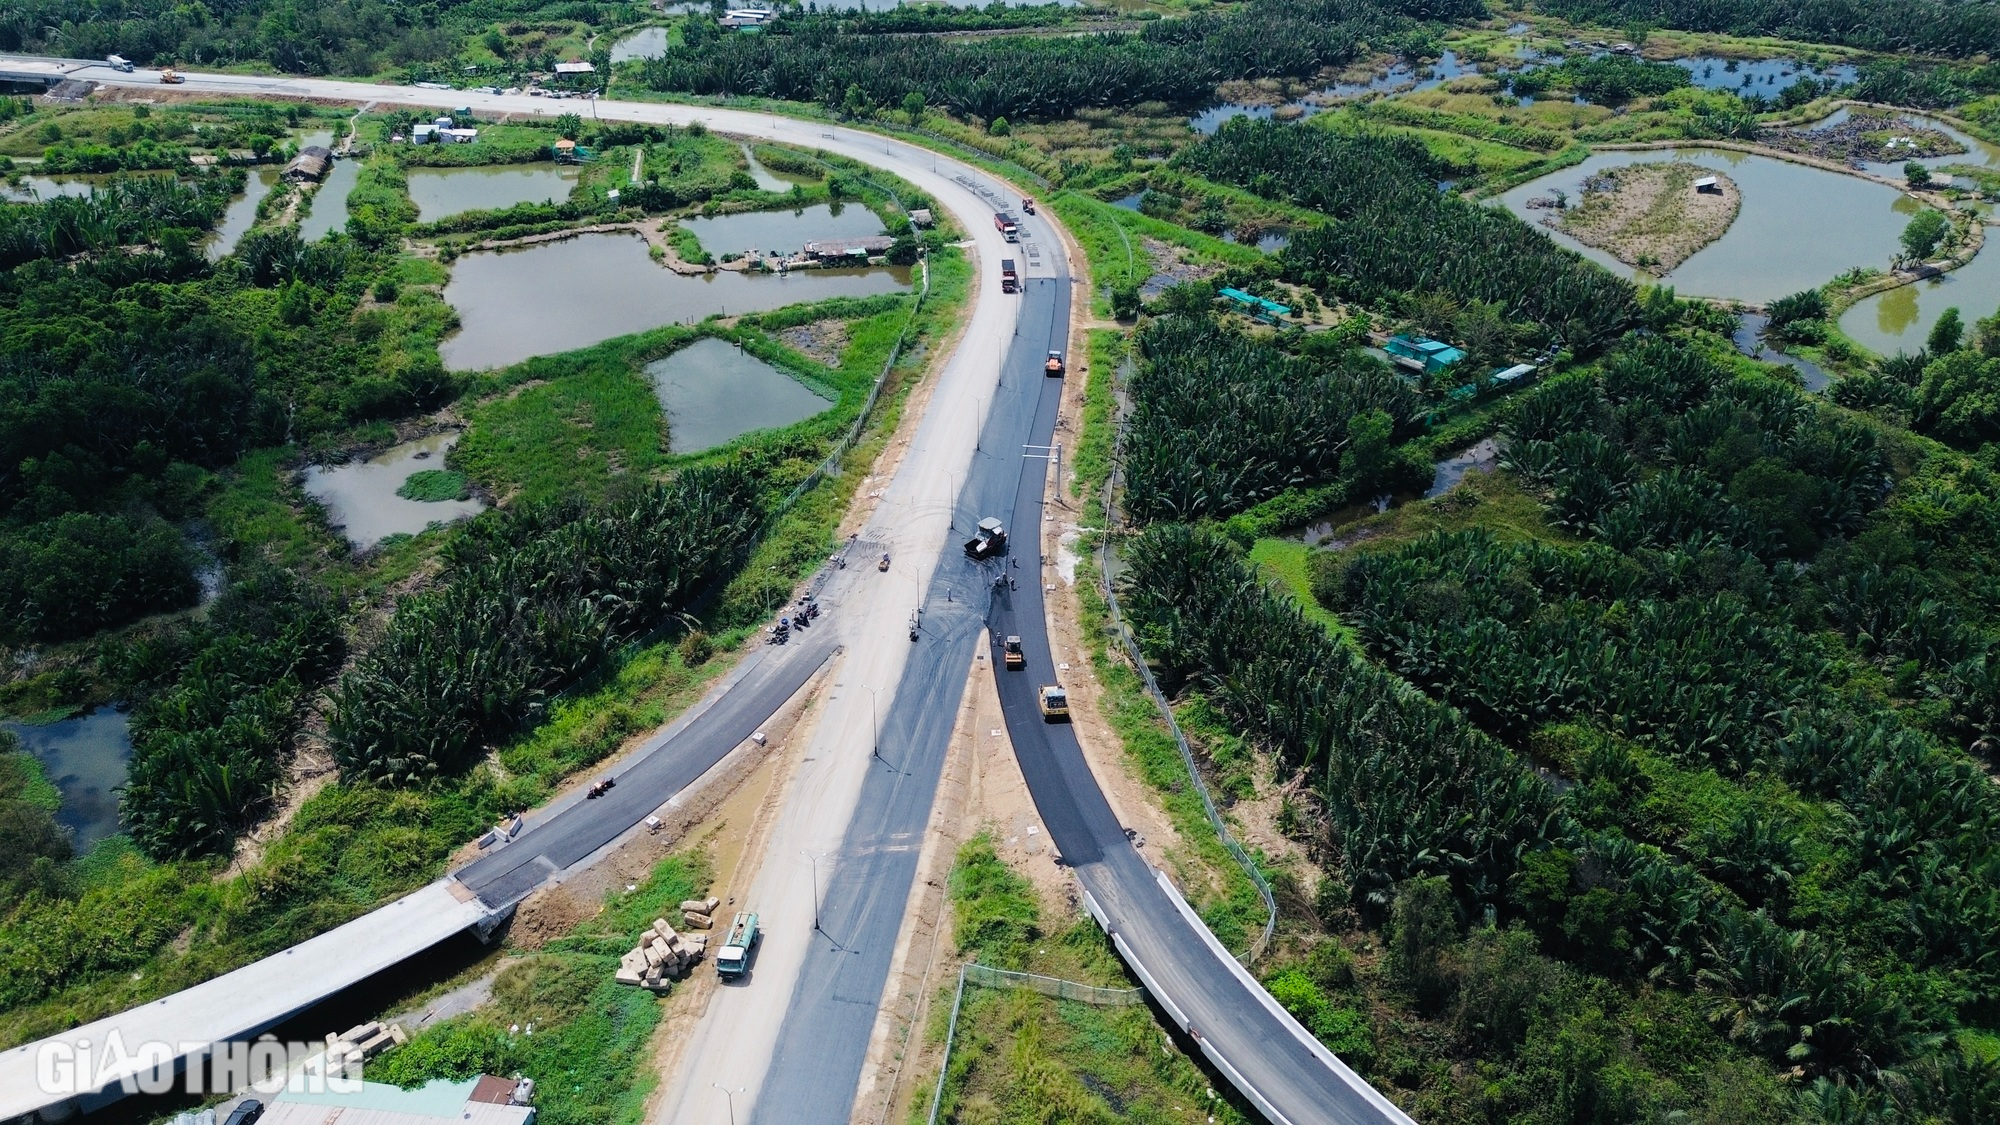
1131	643
986	976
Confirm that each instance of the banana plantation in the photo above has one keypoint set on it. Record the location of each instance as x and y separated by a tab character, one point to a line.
533	602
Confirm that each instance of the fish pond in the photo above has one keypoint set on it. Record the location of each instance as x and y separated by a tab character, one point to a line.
442	192
645	43
714	392
1765	77
242	212
368	500
557	296
1798	228
329	201
87	758
783	232
28	189
1900	319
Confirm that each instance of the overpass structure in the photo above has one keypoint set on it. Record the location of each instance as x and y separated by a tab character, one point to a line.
988	404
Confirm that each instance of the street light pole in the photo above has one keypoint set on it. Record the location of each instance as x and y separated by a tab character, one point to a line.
731	1095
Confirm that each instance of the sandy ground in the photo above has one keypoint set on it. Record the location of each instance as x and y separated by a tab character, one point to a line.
1650	215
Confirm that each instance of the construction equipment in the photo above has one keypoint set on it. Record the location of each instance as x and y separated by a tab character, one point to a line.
1010	279
990	540
1055	364
1055	703
733	959
1008	226
119	63
170	77
1011	653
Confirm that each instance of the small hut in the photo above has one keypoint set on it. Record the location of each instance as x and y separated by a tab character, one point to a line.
312	163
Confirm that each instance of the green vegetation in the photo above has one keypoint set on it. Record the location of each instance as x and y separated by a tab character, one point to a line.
433	485
1928	27
1021	1055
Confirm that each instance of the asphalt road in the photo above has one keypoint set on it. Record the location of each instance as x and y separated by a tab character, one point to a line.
834	983
566	832
816	1064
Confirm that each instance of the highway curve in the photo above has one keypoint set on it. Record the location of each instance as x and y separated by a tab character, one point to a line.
1277	1066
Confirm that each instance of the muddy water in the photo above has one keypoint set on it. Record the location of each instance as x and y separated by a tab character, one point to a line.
32	188
714	392
767	179
1482	457
1401	77
329	201
1899	320
242	212
1749	339
1799	226
87	758
360	496
442	192
562	295
781	231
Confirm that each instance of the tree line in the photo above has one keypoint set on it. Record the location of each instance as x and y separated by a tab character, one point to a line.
1175	61
1957	28
533	601
1394	232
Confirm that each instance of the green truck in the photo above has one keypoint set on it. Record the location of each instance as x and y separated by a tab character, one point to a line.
733	959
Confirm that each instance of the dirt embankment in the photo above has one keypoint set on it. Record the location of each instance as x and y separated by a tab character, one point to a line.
1651	215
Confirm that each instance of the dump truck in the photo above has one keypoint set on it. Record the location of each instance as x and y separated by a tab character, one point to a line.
170	77
733	959
1010	279
1055	703
1011	653
990	540
1008	226
1055	364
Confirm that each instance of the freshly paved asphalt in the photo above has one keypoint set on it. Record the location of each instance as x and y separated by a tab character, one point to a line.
816	1065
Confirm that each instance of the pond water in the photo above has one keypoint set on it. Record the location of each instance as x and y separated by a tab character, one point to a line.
1767	77
1482	457
767	179
645	43
442	192
513	304
1270	242
1799	226
242	212
781	231
1749	339
1400	77
87	758
329	201
1900	319
31	188
1978	153
360	496
714	392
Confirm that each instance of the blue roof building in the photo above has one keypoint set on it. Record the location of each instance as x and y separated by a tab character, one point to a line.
1418	353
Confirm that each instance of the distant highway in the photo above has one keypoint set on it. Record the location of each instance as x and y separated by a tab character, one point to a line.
968	458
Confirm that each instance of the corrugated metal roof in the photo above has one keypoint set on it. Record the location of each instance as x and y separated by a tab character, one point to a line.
377	1103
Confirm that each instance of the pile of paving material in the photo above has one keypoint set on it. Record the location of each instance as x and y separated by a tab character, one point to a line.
362	1042
661	957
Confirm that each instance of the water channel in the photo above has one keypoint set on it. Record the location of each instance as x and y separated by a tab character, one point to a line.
329	201
360	496
242	212
781	232
555	296
1766	77
87	758
442	192
1799	226
29	189
1749	339
714	392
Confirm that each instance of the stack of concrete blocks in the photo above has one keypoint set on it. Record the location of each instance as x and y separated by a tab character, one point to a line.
348	1050
699	912
661	957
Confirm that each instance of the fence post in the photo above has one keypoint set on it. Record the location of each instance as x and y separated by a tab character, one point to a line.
951	1032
